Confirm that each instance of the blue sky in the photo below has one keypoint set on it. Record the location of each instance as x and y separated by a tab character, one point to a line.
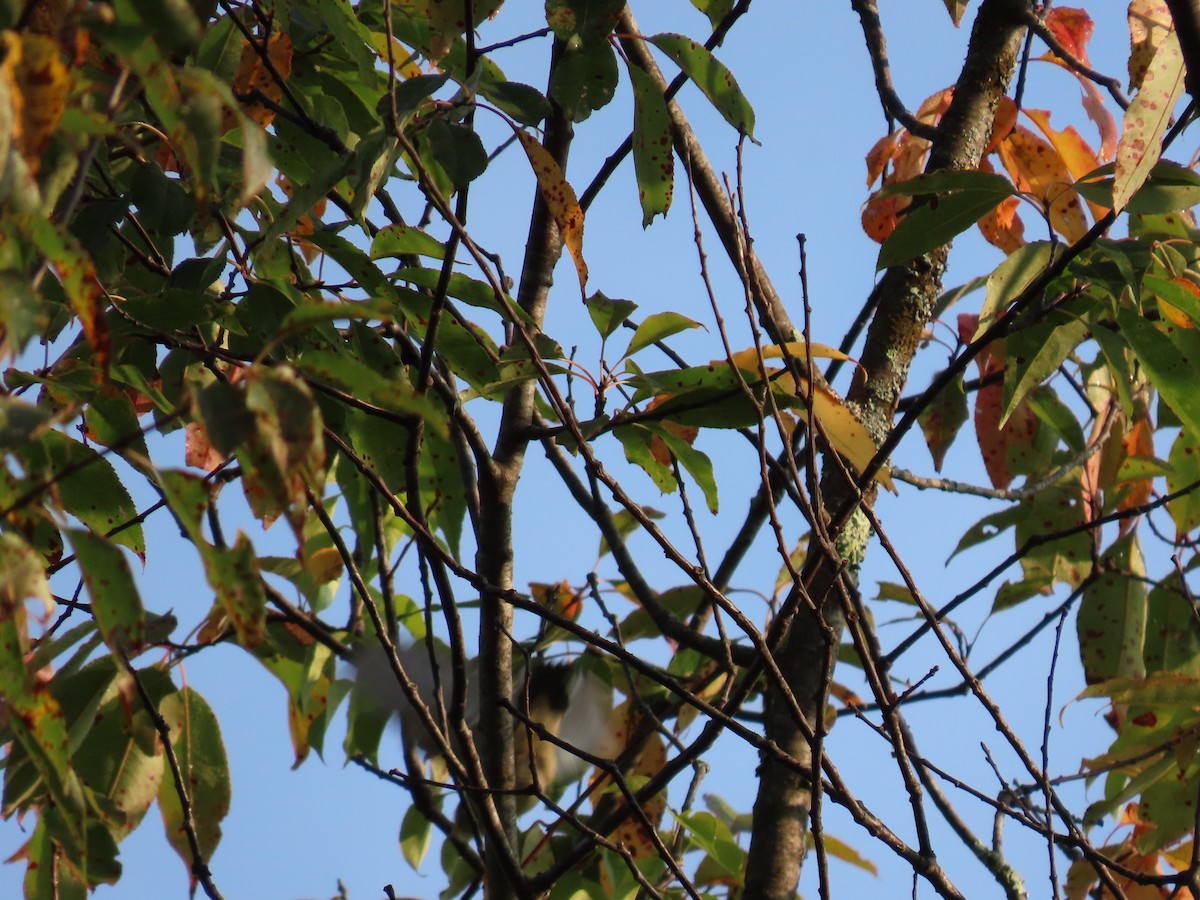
293	834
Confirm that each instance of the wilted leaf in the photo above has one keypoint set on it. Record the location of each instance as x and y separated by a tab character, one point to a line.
956	8
257	77
559	197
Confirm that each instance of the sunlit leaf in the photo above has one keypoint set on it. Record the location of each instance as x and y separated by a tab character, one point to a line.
559	197
1149	24
653	154
196	737
711	76
1147	119
1037	168
658	327
956	8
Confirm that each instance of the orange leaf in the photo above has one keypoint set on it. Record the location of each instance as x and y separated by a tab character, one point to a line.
1106	125
1036	168
254	77
1003	227
881	215
198	449
997	444
1005	122
559	196
1138	441
881	154
1079	158
1073	28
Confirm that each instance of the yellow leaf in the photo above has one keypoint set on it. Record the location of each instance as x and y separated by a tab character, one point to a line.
845	433
560	198
841	850
38	83
1037	168
1079	158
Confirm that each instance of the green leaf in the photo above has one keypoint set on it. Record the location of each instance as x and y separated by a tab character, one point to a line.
1172	637
627	524
585	79
19	422
712	77
456	151
92	493
949	182
1019	269
584	21
1173	293
942	419
405	240
934	224
653	153
196	737
1171	371
416	835
1185	471
49	874
1112	616
695	463
658	327
607	314
1035	353
716	10
715	838
521	102
1051	411
233	573
636	439
1168	188
115	600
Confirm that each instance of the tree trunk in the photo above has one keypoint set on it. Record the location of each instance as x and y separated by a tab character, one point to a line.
907	295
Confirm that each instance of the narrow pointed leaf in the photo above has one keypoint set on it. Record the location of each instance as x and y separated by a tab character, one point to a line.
1147	119
712	77
653	154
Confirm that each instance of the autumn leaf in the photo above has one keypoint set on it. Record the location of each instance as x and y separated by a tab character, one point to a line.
1037	168
255	77
559	197
1073	28
841	427
1075	153
999	444
38	83
1149	24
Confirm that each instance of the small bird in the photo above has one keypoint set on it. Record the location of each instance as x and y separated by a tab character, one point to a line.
568	700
